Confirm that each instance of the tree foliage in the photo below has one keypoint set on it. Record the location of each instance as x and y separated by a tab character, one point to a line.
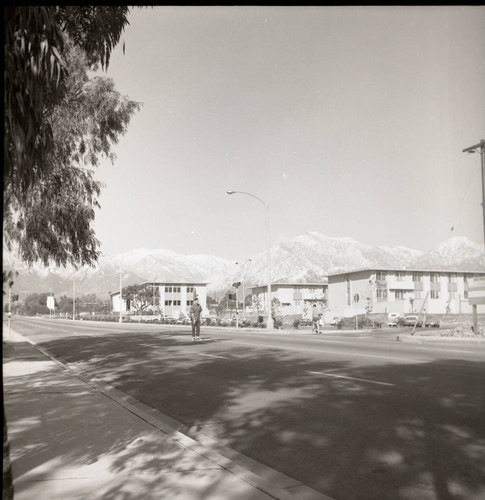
8	279
34	69
141	297
36	303
58	124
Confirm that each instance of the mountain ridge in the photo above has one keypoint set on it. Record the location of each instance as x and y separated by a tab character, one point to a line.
310	257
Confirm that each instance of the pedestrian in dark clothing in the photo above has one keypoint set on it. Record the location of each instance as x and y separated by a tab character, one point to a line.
195	310
315	318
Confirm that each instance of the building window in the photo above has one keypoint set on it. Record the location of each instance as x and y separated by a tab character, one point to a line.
190	302
399	294
434	277
417	277
380	276
400	275
381	295
190	289
176	289
168	289
168	302
435	294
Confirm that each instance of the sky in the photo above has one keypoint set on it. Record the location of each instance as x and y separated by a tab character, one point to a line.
346	121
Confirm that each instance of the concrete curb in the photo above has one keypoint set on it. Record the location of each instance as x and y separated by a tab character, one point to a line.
269	481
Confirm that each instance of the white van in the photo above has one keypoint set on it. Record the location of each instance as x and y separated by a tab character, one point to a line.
392	319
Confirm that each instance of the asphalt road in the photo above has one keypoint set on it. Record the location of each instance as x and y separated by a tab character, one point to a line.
352	416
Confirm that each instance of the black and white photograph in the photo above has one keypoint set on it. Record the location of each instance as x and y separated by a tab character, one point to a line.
244	252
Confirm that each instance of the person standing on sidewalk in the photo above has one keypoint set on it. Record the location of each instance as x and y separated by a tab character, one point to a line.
195	310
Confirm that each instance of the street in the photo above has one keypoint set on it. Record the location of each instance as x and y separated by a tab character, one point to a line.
349	415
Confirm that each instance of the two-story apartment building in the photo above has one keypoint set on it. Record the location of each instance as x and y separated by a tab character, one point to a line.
400	291
175	298
293	298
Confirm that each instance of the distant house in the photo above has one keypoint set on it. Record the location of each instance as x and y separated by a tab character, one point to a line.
400	291
293	298
175	298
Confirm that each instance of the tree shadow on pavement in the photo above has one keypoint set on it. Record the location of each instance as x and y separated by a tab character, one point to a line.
422	436
69	440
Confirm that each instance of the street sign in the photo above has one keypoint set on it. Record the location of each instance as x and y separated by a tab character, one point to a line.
50	303
356	298
476	291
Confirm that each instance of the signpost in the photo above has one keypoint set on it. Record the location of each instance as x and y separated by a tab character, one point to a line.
476	296
356	300
50	304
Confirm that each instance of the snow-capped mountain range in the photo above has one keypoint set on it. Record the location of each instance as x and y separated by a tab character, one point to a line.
309	258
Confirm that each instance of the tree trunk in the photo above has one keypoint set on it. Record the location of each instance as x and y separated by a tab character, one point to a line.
7	489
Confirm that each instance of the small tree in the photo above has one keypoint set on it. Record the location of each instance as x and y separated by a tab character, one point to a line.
369	305
141	297
64	304
36	303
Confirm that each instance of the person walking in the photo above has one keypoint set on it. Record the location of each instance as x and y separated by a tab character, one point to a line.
315	318
195	310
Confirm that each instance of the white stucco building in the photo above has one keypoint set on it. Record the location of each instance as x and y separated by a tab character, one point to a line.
293	298
175	298
400	291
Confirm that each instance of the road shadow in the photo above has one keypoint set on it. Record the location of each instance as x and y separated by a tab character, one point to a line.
70	440
421	437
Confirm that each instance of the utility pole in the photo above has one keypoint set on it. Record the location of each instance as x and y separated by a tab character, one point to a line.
10	283
473	149
121	297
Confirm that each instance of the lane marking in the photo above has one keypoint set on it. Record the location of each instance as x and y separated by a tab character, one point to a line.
349	378
444	349
212	356
343	353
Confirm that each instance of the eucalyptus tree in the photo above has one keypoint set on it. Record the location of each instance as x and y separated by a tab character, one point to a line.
59	123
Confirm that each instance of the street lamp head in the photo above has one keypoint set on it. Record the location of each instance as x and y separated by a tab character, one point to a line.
229	191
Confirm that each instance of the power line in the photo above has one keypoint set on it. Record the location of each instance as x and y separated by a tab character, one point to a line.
463	199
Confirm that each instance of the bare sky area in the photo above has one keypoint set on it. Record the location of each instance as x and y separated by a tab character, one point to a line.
349	121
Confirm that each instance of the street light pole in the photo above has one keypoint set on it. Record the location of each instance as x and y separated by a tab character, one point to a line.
121	298
270	316
473	149
268	251
242	280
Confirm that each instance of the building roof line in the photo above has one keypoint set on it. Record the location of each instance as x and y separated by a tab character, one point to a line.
408	270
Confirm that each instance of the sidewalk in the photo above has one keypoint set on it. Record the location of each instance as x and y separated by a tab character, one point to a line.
75	437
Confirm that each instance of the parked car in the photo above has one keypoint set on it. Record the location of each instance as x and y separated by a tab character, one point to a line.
334	321
411	320
392	319
306	322
432	321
